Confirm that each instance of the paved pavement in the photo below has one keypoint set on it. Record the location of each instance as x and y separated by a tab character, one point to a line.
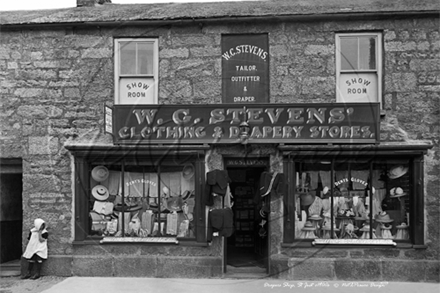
154	285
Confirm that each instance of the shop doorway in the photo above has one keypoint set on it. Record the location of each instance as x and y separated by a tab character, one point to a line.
11	216
247	248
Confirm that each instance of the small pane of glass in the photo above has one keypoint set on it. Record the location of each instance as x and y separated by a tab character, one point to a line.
367	53
145	58
128	57
349	53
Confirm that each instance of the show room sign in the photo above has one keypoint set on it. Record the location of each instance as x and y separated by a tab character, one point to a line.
267	123
245	69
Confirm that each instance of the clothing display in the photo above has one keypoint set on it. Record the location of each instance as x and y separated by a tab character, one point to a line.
221	221
216	183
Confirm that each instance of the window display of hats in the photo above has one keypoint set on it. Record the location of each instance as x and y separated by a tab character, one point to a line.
402	232
308	232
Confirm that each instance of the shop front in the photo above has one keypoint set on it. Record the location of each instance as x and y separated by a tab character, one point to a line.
225	186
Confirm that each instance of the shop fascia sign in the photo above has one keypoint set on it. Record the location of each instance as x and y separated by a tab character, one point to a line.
258	123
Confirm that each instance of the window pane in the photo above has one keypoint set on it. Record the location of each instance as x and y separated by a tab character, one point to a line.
367	53
145	58
349	53
128	57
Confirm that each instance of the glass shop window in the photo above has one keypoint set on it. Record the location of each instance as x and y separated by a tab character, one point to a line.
352	200
142	201
136	71
359	67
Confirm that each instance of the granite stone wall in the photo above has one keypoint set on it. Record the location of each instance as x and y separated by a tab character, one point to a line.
55	82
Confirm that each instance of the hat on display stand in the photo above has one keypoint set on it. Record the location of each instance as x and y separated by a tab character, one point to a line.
397	192
188	171
383	217
397	172
308	231
100	192
402	232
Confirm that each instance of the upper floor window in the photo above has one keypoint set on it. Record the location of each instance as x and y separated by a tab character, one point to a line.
136	71
359	67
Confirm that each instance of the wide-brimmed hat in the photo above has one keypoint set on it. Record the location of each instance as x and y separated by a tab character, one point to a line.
100	192
187	194
365	228
308	226
397	192
402	226
100	173
188	171
384	218
315	217
174	204
397	171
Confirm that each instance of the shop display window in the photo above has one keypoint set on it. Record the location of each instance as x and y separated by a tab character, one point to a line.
352	199
122	195
142	201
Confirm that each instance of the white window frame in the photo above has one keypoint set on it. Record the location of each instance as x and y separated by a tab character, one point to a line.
155	74
379	65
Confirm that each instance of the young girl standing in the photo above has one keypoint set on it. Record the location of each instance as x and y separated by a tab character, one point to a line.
36	250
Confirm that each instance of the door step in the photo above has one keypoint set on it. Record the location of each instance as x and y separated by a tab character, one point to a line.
245	273
10	269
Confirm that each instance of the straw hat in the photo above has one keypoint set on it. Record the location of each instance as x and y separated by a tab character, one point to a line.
397	192
175	204
100	192
383	217
100	173
397	171
188	171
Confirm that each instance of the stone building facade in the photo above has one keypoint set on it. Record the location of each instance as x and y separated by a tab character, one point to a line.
57	73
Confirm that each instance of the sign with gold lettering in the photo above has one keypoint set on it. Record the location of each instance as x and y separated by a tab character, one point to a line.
245	68
265	123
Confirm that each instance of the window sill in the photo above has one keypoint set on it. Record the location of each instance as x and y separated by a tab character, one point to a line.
137	240
153	240
308	243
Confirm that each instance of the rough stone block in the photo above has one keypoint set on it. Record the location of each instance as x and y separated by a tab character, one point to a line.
135	266
366	270
405	271
312	269
58	266
92	266
432	271
279	268
188	267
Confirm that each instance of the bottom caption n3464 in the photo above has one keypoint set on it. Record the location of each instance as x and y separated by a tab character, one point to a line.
305	285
